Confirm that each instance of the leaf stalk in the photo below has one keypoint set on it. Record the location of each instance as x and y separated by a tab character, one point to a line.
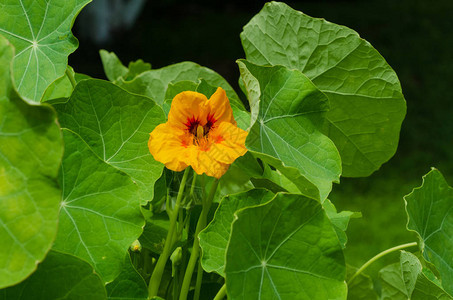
376	257
156	277
201	224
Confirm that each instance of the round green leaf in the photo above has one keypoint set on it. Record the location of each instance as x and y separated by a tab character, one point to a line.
366	103
285	106
59	276
100	214
40	30
430	213
116	126
214	238
30	154
284	249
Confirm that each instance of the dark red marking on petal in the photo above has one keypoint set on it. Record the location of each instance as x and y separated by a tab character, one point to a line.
192	124
210	121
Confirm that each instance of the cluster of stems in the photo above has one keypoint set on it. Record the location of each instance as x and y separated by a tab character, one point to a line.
174	214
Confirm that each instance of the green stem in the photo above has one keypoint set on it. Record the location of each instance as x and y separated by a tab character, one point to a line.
383	253
199	281
221	293
192	188
70	77
156	277
201	224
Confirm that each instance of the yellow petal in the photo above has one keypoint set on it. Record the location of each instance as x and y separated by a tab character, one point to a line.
228	143
207	164
186	107
219	108
170	146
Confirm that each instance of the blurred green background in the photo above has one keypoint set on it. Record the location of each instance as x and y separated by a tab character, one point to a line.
415	37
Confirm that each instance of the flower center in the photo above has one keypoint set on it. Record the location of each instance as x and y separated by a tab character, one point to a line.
200	132
200	138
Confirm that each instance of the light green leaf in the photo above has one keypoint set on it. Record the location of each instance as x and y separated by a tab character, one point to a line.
214	238
31	149
284	249
113	67
129	285
116	126
406	280
430	213
59	276
100	214
366	103
40	30
340	220
136	68
154	83
286	105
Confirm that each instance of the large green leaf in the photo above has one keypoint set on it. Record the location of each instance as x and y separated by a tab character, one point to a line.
406	280
40	30
285	107
430	213
116	126
284	249
100	214
129	285
214	239
366	103
30	154
154	83
59	276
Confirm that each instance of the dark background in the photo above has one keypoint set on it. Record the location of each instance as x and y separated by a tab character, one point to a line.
416	39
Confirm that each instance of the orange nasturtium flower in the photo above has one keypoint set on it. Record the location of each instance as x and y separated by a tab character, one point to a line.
200	133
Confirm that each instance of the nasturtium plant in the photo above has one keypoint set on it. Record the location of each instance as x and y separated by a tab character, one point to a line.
165	184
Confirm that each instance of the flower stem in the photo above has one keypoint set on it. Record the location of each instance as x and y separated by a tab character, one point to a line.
221	293
156	277
383	253
70	77
201	224
199	281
